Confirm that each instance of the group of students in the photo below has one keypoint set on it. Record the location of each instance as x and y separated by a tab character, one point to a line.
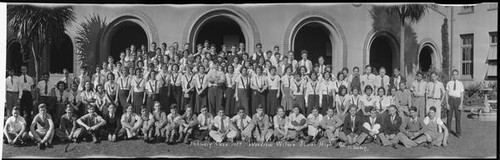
172	96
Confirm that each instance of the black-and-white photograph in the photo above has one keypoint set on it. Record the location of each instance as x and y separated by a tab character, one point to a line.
265	80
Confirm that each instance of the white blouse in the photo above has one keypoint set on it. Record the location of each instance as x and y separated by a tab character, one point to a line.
273	82
138	84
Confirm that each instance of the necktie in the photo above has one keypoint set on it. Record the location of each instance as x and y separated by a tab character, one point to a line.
25	81
392	120
222	127
418	87
205	121
98	79
12	80
46	87
454	85
314	88
241	122
353	124
129	118
61	94
433	89
381	81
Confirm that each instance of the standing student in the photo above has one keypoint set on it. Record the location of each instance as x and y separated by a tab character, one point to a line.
382	101
286	83
83	78
352	127
390	128
297	125
367	100
75	99
229	92
313	126
332	123
113	124
304	74
368	78
435	93
418	88
152	88
242	94
147	124
222	128
355	99
91	124
273	94
98	77
342	101
137	92
188	85
26	86
403	99
455	96
62	96
101	101
88	96
164	77
15	128
396	79
111	88
382	80
281	122
45	93
45	128
216	79
259	86
327	93
259	128
241	122
123	82
187	123
201	87
305	62
176	85
312	92
292	61
13	86
354	79
297	88
130	122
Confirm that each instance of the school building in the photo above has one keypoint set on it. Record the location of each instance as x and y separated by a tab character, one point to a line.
348	35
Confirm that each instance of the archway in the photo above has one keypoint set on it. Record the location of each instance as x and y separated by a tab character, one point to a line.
14	56
315	38
124	35
384	52
425	58
61	55
220	30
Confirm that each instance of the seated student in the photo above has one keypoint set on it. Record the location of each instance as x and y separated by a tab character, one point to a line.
113	124
67	127
353	124
131	123
313	126
186	123
435	130
45	128
371	126
160	119
147	124
91	124
280	125
222	128
15	128
259	127
390	128
241	121
204	121
332	123
172	127
412	129
297	124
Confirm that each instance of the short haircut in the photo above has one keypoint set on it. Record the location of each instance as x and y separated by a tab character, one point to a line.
455	70
432	108
280	107
90	106
355	68
173	106
342	87
353	106
42	106
16	108
420	73
368	87
258	44
370	108
241	109
68	106
413	108
393	106
381	88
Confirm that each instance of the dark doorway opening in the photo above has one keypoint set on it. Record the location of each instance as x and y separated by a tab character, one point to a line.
220	30
14	57
124	36
382	54
314	38
61	55
425	59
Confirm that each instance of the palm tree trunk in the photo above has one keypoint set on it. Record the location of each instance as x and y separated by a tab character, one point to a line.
402	48
35	59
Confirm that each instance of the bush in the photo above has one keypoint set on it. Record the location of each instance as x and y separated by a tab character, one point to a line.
473	95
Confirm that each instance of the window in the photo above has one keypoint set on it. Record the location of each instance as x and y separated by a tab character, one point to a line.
466	9
493	6
493	38
467	53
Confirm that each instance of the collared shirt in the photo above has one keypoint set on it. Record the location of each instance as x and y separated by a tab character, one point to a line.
138	84
434	89
418	88
44	88
42	124
403	97
68	80
384	102
230	80
67	122
62	96
286	80
241	122
98	78
124	83
15	124
13	84
379	80
314	122
280	122
82	79
396	82
201	80
354	99
455	88
153	86
327	87
368	100
217	122
172	118
187	81
296	118
243	82
261	121
313	87
412	125
307	63
74	96
130	119
88	95
342	100
204	120
175	79
111	87
215	77
367	80
328	121
298	87
91	119
273	82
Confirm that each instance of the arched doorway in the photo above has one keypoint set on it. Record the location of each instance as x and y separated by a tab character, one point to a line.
425	58
61	55
14	56
314	38
124	35
384	52
220	30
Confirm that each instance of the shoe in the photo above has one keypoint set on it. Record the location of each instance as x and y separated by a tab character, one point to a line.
297	139
316	141
231	140
49	145
394	146
94	139
428	145
308	140
336	145
186	141
41	146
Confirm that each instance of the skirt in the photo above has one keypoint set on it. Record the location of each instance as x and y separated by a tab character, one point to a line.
189	100
244	100
258	99
286	99
201	101
122	100
328	101
272	103
150	101
164	99
299	101
138	99
312	102
230	104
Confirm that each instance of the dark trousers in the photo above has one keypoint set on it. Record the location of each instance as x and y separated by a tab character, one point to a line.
454	102
214	99
27	105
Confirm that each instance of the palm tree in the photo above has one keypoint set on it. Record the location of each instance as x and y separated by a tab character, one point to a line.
411	13
88	39
38	26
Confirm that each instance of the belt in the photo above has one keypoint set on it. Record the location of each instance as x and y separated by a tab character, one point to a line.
434	98
11	92
454	97
418	96
26	91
